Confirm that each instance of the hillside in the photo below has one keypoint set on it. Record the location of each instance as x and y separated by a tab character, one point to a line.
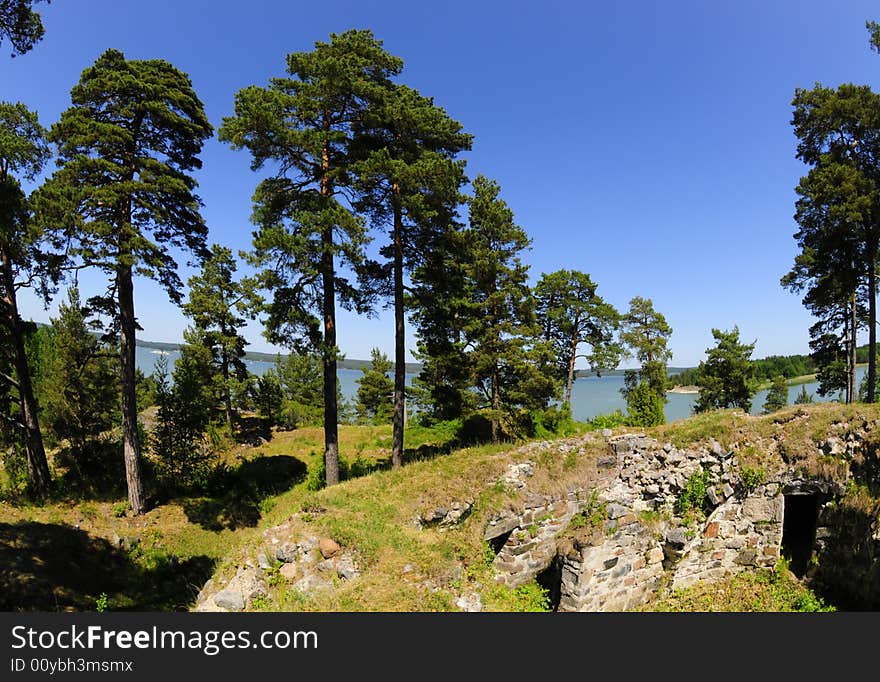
416	539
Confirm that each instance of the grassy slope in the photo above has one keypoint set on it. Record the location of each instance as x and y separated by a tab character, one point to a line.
182	541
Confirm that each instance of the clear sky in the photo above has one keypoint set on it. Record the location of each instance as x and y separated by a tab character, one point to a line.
646	143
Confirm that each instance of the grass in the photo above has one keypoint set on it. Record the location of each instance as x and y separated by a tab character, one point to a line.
159	560
775	590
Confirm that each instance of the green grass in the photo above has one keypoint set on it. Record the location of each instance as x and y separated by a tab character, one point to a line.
751	591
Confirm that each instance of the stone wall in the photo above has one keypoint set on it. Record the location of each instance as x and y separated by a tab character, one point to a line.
645	541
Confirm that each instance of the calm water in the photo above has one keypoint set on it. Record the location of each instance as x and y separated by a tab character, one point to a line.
591	396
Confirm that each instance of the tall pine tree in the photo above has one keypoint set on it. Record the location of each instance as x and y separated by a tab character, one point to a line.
410	187
124	197
303	125
510	364
216	306
24	262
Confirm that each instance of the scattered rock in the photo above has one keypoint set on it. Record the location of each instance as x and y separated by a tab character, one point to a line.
470	602
289	572
329	548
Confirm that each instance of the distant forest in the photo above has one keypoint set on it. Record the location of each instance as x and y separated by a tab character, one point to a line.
767	369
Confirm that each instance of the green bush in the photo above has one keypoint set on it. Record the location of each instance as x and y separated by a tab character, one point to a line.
607	421
693	497
751	477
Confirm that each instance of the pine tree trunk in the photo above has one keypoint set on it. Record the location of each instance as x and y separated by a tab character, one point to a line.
571	360
227	394
331	409
399	417
38	467
851	368
130	444
872	320
496	407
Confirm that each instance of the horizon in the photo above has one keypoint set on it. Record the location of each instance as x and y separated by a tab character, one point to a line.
648	146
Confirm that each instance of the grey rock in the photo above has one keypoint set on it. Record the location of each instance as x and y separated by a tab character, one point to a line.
713	497
230	600
310	583
346	568
263	562
287	552
676	537
470	603
615	511
727	490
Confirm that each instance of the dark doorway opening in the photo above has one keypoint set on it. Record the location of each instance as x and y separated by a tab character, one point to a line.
498	542
799	531
551	580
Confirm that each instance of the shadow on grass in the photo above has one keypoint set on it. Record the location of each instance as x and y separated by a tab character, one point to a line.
55	567
235	495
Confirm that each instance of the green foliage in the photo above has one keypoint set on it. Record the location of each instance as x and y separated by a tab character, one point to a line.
306	124
216	306
803	398
20	24
592	517
185	458
752	477
78	385
15	471
693	497
123	199
375	390
726	378
511	368
777	396
268	397
645	407
607	421
571	314
101	603
646	333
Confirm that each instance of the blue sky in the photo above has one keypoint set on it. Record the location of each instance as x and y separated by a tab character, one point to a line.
648	144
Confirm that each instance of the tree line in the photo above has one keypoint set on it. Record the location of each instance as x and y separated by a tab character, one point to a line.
347	154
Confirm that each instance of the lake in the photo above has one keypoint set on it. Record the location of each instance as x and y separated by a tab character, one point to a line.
590	396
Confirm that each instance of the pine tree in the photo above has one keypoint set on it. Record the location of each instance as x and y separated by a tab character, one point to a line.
510	364
646	333
803	398
777	396
79	387
24	260
20	24
409	184
304	125
301	379
571	314
726	377
124	198
216	306
839	210
442	306
375	394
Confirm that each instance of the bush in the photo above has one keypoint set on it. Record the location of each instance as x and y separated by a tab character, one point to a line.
15	471
295	415
607	421
693	497
645	406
